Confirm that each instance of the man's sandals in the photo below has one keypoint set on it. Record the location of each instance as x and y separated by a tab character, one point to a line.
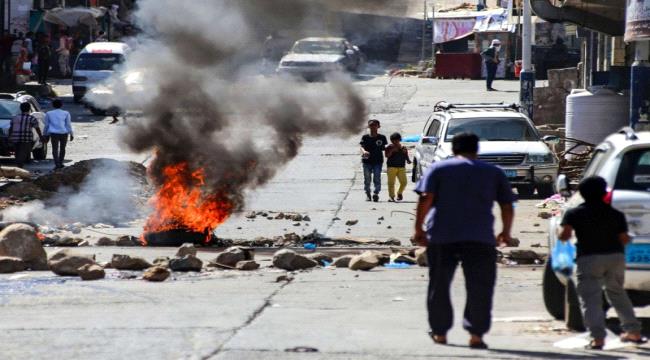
438	339
626	338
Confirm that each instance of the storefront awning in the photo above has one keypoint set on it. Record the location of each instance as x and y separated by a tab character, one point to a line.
454	26
71	17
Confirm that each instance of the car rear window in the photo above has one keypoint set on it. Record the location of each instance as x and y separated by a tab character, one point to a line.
9	109
318	47
98	62
634	172
493	129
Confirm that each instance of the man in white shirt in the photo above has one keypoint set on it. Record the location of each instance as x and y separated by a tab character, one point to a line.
58	126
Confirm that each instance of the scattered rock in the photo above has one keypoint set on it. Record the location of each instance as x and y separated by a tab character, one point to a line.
536	225
20	240
285	277
336	219
306	218
10	265
351	222
247	265
389	227
513	242
262	213
84	243
321	258
421	256
545	215
251	215
296	224
68	242
65	263
186	249
269	218
230	257
279	216
289	260
343	261
126	262
366	261
296	217
75	230
186	263
156	274
105	241
536	245
381	218
91	272
128	240
162	261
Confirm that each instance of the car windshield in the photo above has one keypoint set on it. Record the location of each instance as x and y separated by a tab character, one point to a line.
318	47
493	129
634	172
9	109
98	62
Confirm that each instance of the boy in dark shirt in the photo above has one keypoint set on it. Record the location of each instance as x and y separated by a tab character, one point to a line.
397	157
601	232
372	151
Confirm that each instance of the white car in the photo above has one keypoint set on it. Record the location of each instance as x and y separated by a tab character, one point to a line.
623	160
312	58
96	63
10	107
508	139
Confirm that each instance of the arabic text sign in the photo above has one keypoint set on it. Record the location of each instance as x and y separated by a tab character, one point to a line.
453	29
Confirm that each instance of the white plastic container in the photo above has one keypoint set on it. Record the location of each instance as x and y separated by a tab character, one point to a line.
593	115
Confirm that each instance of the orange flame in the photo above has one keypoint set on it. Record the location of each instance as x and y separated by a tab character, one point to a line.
181	204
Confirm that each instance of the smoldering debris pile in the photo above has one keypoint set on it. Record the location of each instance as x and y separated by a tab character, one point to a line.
91	191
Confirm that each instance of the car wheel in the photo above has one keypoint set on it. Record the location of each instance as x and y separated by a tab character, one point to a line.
545	190
572	313
40	153
553	291
525	191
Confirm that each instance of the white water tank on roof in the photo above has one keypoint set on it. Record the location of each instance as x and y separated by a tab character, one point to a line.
593	115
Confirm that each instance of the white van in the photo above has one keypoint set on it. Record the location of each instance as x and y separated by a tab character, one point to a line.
95	63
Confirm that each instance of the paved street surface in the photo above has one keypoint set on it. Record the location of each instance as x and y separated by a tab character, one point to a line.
321	314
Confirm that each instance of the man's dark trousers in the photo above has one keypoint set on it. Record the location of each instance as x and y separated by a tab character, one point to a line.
479	268
59	141
491	69
22	150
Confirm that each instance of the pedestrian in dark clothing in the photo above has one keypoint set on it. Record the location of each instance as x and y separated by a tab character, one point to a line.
396	158
454	221
21	136
58	125
601	233
372	150
44	57
491	59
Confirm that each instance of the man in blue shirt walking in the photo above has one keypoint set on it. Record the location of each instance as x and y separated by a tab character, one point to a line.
58	126
455	222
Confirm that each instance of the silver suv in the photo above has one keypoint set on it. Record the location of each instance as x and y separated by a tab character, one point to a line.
508	139
10	107
623	160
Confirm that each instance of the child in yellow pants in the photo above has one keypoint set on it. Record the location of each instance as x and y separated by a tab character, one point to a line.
397	156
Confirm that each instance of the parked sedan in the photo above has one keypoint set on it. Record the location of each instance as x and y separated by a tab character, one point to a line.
313	58
10	107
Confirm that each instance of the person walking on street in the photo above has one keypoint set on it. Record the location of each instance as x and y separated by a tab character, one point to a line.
491	59
455	205
397	156
58	126
65	44
21	135
601	233
372	150
44	53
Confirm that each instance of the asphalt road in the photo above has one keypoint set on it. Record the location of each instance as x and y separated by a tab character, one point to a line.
232	315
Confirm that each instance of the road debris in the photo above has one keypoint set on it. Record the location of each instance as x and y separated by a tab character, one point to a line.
290	260
186	263
66	263
127	262
10	265
186	249
20	241
366	261
321	258
351	222
343	261
156	274
247	265
91	272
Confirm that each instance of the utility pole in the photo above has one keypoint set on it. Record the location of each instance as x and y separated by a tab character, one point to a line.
433	39
527	82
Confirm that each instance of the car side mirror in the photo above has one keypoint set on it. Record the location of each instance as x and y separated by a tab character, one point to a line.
562	186
551	139
349	52
430	140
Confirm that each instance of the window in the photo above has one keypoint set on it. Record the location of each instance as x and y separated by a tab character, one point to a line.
319	47
433	129
98	62
9	109
597	160
493	129
634	172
